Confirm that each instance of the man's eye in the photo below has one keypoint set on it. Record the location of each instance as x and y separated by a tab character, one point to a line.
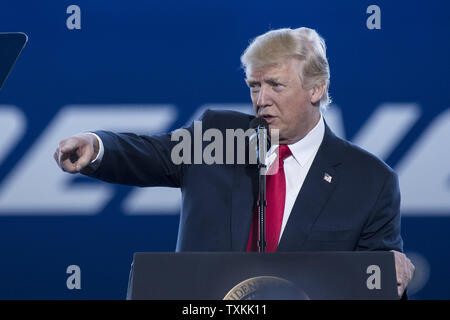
254	88
277	86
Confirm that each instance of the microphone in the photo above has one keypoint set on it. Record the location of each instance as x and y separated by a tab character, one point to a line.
263	140
259	122
263	143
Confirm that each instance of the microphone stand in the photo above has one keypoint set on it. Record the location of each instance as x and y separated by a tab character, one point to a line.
262	203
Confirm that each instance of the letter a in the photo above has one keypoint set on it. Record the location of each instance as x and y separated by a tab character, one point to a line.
374	281
373	21
181	152
74	280
74	20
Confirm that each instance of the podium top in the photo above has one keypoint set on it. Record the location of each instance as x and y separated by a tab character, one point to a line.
244	275
11	44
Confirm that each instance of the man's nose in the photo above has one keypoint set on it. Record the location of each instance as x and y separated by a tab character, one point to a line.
264	99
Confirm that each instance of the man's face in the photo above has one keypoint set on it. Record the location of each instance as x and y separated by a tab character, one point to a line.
278	96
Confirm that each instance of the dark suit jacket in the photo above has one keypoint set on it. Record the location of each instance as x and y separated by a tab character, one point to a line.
358	210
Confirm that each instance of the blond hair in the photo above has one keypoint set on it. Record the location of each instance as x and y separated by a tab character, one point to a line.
304	44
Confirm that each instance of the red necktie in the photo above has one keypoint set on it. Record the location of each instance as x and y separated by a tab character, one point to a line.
275	196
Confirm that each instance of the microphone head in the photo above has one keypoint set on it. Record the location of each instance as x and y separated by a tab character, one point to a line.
259	122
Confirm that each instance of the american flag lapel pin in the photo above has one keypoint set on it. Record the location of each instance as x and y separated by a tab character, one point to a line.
327	177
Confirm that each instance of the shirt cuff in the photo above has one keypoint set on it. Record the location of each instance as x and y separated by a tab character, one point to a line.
101	150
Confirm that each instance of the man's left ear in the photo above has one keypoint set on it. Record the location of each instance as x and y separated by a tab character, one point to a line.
317	93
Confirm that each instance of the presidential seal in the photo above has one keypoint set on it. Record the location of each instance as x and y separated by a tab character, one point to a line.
266	288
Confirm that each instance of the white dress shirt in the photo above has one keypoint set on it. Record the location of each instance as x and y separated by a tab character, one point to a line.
296	167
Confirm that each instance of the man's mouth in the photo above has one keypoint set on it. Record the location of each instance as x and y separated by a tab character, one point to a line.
268	118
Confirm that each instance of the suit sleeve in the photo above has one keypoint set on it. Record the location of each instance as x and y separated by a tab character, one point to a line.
137	160
140	160
382	229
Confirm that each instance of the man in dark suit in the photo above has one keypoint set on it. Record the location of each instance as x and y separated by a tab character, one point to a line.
327	195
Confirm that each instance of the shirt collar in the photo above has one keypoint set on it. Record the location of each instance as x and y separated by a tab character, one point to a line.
305	148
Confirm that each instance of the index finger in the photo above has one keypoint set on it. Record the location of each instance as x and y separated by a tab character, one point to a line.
69	145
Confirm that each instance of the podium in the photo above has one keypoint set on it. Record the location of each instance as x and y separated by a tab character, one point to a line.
262	276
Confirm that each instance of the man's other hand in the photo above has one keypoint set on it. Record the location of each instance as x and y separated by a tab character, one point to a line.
76	152
404	269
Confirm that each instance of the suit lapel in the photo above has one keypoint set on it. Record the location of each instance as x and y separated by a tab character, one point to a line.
314	194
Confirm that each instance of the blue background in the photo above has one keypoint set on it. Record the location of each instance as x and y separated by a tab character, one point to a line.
186	53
